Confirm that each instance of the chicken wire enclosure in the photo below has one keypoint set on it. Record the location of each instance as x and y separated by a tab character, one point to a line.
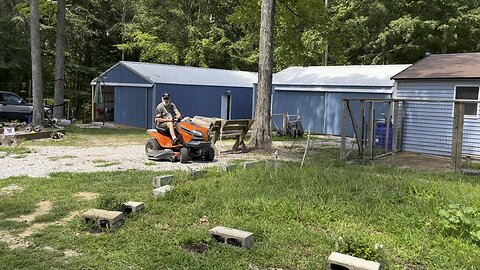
431	127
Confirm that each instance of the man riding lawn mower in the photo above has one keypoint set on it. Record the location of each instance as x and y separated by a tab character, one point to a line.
177	139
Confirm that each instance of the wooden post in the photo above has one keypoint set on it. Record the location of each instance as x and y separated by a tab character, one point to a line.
284	122
361	128
457	136
388	119
395	131
369	141
343	145
93	103
357	136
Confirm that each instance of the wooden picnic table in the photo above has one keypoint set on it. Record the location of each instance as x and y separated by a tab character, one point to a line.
239	128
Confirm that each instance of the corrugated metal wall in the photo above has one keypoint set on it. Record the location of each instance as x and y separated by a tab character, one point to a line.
200	100
121	74
427	127
131	106
310	107
321	112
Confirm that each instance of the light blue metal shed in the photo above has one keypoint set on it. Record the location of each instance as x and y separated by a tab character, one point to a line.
316	93
427	126
135	89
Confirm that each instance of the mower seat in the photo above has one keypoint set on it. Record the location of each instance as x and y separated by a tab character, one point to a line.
163	131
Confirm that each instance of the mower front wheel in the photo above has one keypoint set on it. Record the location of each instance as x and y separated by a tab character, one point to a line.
151	145
184	155
209	155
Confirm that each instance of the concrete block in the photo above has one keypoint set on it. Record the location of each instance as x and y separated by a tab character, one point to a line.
161	191
343	261
133	207
161	181
227	168
232	237
195	173
104	218
250	164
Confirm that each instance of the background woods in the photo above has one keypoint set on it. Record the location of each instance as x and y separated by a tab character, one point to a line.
224	34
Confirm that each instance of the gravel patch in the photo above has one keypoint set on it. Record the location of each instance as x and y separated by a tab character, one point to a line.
50	159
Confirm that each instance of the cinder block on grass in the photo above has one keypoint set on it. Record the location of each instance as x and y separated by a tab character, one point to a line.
133	207
250	164
161	191
232	237
104	218
342	261
196	173
227	168
161	181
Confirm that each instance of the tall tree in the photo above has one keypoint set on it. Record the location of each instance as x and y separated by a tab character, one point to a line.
59	94
36	52
261	132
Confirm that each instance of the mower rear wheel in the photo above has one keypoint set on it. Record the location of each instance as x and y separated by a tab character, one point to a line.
184	155
210	155
151	145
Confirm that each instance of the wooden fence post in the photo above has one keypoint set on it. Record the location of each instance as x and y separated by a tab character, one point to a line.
388	119
361	127
370	128
457	135
284	122
343	145
395	131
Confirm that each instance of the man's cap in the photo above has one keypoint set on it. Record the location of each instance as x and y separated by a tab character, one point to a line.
165	95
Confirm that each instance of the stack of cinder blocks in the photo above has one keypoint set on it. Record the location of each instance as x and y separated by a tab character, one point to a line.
161	185
227	168
339	261
232	237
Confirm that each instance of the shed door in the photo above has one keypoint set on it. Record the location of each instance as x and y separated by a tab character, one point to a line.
131	105
226	107
309	105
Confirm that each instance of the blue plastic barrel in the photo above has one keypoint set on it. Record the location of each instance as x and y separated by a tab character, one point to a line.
381	135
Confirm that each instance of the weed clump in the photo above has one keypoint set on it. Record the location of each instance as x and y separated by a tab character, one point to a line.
111	202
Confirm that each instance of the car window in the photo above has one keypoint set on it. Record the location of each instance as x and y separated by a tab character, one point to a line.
10	98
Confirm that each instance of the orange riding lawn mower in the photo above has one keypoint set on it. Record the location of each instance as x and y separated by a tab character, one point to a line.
193	143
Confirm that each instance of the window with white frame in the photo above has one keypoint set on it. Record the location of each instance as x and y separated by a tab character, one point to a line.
468	93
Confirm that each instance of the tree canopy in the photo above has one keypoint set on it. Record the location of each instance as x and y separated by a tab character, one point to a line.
224	34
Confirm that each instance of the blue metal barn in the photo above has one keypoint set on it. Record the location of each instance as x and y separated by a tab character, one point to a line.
427	126
132	90
316	93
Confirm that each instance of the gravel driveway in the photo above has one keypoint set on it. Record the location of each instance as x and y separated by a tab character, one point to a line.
49	159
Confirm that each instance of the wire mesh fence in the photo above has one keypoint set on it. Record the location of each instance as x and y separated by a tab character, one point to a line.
431	127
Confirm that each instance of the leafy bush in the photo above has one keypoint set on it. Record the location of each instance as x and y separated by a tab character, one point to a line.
361	248
462	221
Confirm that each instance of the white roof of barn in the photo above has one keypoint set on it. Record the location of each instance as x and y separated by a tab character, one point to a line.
171	74
355	76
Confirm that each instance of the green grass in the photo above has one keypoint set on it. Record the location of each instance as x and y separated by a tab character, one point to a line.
61	157
75	136
14	150
297	216
107	164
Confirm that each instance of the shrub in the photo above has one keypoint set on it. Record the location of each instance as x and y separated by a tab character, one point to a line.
461	221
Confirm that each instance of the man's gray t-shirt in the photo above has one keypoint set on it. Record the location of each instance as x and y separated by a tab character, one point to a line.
166	112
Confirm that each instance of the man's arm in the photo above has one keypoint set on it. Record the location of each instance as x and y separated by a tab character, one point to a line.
177	112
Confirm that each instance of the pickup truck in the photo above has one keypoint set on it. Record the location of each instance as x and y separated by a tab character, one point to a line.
13	107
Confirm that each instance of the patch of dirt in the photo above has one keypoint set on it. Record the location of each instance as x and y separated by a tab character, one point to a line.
13	242
417	161
87	196
43	208
199	248
204	221
71	253
10	190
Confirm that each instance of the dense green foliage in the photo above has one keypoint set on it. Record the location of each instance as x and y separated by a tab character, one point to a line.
224	34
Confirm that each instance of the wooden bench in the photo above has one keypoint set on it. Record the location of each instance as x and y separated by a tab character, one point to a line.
238	127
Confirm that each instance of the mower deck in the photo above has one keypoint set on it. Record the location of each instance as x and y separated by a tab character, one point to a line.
163	155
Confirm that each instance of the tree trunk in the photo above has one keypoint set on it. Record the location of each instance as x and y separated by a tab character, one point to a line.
36	51
59	95
261	131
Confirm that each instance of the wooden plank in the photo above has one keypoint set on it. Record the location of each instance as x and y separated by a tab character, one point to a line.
236	127
457	136
355	131
371	122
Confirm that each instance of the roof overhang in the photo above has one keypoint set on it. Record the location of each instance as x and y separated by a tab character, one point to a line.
345	89
123	84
